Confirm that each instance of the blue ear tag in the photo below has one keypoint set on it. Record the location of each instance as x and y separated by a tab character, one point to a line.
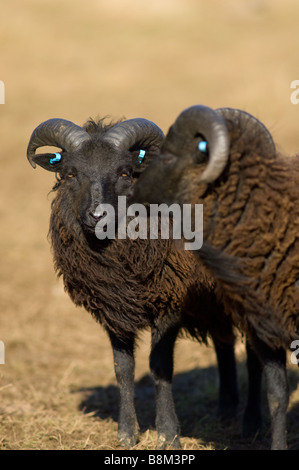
141	156
202	146
56	159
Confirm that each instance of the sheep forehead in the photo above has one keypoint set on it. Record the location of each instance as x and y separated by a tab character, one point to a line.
99	156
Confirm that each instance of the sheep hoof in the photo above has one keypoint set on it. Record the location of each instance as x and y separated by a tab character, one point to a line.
164	442
128	440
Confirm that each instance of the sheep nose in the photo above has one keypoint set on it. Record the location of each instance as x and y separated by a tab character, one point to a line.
94	216
97	214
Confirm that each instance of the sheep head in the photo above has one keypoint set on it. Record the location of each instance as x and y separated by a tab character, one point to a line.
95	167
196	152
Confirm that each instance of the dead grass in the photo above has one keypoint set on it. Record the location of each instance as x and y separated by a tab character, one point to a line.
75	60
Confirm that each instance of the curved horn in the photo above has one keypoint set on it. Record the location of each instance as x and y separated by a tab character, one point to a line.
249	122
56	132
205	121
133	132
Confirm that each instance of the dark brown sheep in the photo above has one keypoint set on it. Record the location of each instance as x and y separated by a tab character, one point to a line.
227	161
128	285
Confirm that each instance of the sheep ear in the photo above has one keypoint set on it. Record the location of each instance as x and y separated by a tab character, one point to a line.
49	161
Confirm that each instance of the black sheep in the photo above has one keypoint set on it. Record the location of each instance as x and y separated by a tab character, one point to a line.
227	161
128	285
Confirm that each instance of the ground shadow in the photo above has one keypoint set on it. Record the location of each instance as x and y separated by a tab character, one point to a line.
196	397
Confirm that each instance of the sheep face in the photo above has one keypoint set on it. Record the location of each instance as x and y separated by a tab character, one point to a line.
96	175
94	167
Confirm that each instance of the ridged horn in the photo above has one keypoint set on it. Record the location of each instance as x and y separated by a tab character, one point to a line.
56	132
205	121
249	122
135	132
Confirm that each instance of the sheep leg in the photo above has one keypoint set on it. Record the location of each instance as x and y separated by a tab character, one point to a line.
278	399
274	362
124	366
228	383
161	365
252	419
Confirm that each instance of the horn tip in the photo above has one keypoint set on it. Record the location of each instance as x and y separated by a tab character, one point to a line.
32	162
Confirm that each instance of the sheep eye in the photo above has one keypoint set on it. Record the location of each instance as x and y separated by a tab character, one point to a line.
125	174
70	175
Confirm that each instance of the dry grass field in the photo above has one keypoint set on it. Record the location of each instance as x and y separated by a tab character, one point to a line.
75	59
